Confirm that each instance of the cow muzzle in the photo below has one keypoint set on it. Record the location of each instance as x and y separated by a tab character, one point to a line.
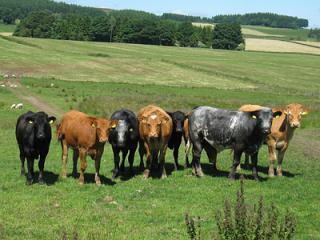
295	125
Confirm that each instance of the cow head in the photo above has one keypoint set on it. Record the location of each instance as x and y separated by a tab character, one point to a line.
103	128
41	124
153	123
263	117
122	133
294	112
178	119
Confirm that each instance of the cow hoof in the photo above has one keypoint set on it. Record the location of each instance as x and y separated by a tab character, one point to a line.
163	176
232	177
74	174
146	174
115	175
41	181
200	173
98	183
22	173
279	173
239	168
81	183
29	182
64	176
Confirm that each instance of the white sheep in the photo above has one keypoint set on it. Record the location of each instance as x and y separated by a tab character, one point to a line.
19	106
13	106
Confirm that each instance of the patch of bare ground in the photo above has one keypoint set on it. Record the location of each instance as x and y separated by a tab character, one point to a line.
13	83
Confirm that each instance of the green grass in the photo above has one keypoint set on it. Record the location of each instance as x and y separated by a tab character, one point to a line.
7	27
101	78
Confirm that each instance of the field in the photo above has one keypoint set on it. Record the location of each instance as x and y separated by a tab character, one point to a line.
100	78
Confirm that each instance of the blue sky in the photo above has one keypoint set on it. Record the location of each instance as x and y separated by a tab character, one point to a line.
309	9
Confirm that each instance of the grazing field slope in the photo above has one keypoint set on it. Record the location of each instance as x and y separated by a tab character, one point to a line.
99	78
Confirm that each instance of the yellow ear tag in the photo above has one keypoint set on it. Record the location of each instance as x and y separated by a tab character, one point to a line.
114	126
254	116
30	122
51	121
277	116
92	125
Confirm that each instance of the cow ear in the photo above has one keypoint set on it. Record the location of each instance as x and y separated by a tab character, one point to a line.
169	113
165	119
277	114
93	123
52	119
113	124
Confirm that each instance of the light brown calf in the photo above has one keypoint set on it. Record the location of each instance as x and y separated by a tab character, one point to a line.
282	131
155	128
86	136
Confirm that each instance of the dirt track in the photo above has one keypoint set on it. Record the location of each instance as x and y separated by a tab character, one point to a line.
15	86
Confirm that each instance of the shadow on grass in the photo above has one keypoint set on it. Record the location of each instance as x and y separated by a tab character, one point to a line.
89	178
207	169
265	170
50	178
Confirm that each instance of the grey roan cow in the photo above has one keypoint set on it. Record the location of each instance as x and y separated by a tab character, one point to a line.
216	129
124	138
33	133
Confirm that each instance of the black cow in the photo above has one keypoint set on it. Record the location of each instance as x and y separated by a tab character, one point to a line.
33	133
216	129
178	119
124	138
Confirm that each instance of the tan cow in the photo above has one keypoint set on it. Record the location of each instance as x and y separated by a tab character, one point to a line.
282	131
155	128
86	136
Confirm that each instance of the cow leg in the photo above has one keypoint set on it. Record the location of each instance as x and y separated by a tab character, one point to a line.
124	155
254	162
187	152
247	160
41	167
116	158
212	155
131	158
196	155
97	166
176	156
75	163
141	153
162	161
280	159
83	165
236	162
146	172
22	159
64	158
272	157
30	162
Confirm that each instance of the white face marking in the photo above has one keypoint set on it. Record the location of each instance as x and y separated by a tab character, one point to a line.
153	117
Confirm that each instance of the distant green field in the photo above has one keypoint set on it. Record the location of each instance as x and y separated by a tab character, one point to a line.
99	78
282	33
7	28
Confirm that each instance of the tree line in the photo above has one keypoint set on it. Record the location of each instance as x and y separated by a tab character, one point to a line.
128	26
12	10
263	19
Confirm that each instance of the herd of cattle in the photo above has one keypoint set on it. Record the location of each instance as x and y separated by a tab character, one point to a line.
154	130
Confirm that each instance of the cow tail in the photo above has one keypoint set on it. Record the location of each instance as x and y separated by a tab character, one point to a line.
60	135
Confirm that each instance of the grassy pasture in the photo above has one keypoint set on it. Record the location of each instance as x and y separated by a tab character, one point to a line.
9	28
101	78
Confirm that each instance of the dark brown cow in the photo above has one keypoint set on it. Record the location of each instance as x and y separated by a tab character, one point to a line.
155	128
86	136
282	131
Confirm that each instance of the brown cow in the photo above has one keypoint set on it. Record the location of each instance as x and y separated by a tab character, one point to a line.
282	131
155	128
85	135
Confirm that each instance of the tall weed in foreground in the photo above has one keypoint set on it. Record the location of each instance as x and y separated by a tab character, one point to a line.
243	222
